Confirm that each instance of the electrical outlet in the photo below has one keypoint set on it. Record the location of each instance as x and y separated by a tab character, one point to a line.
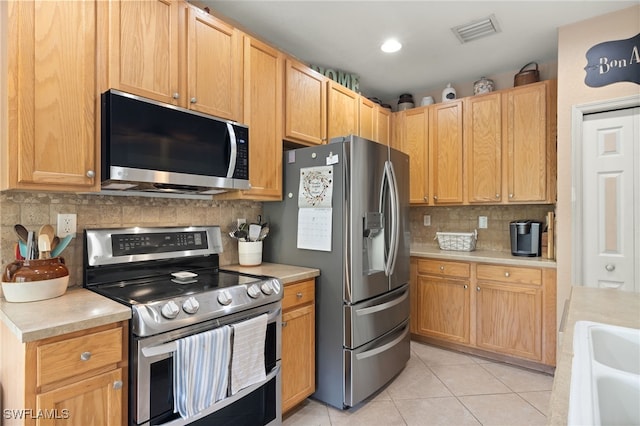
66	225
427	220
241	221
482	222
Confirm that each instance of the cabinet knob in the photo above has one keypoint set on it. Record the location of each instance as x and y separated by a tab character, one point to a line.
194	100
465	286
117	385
91	174
176	95
497	195
510	195
441	268
284	324
426	198
299	295
478	288
85	356
435	198
507	274
610	267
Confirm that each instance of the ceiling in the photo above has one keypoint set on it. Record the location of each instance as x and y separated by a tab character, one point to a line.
346	36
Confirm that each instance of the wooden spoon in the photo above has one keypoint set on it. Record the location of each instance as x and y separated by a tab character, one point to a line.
48	231
22	232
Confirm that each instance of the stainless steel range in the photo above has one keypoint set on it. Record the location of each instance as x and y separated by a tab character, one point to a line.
171	279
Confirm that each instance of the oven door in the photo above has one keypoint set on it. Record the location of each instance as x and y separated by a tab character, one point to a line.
151	387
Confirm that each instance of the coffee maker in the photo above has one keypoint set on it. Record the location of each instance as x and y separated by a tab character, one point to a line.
526	237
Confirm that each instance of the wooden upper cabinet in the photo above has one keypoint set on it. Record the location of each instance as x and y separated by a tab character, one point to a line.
367	119
305	104
342	110
52	75
530	126
483	148
214	66
145	38
383	124
263	82
413	131
445	142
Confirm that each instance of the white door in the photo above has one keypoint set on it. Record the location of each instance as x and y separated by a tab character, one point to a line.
611	199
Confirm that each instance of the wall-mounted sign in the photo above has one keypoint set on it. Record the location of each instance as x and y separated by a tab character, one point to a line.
612	62
350	81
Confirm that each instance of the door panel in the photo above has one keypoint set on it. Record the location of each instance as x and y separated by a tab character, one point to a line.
611	185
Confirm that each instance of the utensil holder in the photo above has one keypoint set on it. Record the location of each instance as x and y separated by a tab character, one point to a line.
250	253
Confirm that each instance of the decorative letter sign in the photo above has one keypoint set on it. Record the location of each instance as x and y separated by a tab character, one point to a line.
350	81
612	62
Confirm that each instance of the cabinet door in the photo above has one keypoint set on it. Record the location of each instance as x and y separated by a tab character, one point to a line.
263	70
509	319
298	355
526	130
342	113
145	38
52	101
483	148
97	401
414	139
383	126
443	308
305	104
214	66
445	166
367	119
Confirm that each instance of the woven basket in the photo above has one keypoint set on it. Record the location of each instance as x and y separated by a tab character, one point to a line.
458	241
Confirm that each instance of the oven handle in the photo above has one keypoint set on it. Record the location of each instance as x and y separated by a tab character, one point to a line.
167	348
227	401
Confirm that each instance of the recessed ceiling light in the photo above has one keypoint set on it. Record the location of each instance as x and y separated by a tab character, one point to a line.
391	45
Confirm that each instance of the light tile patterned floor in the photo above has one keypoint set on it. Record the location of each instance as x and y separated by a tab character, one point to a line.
441	387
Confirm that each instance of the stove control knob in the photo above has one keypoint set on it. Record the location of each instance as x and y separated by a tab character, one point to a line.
190	305
266	288
224	298
170	310
253	291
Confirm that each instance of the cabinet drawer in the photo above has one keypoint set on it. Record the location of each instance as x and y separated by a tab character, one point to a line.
72	357
444	267
298	294
510	274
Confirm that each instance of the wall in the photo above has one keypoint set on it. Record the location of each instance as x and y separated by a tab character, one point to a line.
33	210
573	42
465	219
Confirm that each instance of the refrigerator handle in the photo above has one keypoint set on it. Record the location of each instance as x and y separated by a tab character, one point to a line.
395	213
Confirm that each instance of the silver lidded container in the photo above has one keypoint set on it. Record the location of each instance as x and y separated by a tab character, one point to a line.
484	85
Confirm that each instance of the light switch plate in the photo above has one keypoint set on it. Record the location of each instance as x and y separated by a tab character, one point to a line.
482	222
427	220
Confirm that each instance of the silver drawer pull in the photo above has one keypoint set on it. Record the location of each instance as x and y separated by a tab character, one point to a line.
299	295
85	356
507	274
284	323
117	385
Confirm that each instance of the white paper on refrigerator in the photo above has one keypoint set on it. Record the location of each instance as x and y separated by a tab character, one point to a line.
315	208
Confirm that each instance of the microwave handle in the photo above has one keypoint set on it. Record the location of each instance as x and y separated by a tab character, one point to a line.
234	150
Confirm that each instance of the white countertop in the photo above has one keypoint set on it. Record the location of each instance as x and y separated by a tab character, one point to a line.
505	258
285	273
607	306
77	309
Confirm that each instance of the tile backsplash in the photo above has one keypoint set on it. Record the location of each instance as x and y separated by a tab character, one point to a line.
33	210
465	219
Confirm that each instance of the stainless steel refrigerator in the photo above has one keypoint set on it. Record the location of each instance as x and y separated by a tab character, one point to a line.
346	212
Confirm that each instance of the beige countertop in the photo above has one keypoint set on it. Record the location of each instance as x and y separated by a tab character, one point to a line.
505	258
77	309
285	273
587	304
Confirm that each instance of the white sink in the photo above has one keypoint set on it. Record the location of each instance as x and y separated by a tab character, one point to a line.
605	375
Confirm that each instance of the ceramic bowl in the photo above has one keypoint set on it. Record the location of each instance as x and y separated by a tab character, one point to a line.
32	291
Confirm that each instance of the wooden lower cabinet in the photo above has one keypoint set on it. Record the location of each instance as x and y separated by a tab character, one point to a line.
298	343
504	312
78	378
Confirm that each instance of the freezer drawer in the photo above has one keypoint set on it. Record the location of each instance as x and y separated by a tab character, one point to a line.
368	320
371	366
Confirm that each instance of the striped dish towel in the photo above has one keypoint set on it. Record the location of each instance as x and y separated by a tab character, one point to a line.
247	359
201	370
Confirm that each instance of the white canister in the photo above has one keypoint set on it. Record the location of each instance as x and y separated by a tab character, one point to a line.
427	100
448	94
249	253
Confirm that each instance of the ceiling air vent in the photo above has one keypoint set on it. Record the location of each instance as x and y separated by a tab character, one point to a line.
476	29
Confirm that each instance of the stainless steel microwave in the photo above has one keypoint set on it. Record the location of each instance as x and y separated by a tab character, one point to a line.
155	147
